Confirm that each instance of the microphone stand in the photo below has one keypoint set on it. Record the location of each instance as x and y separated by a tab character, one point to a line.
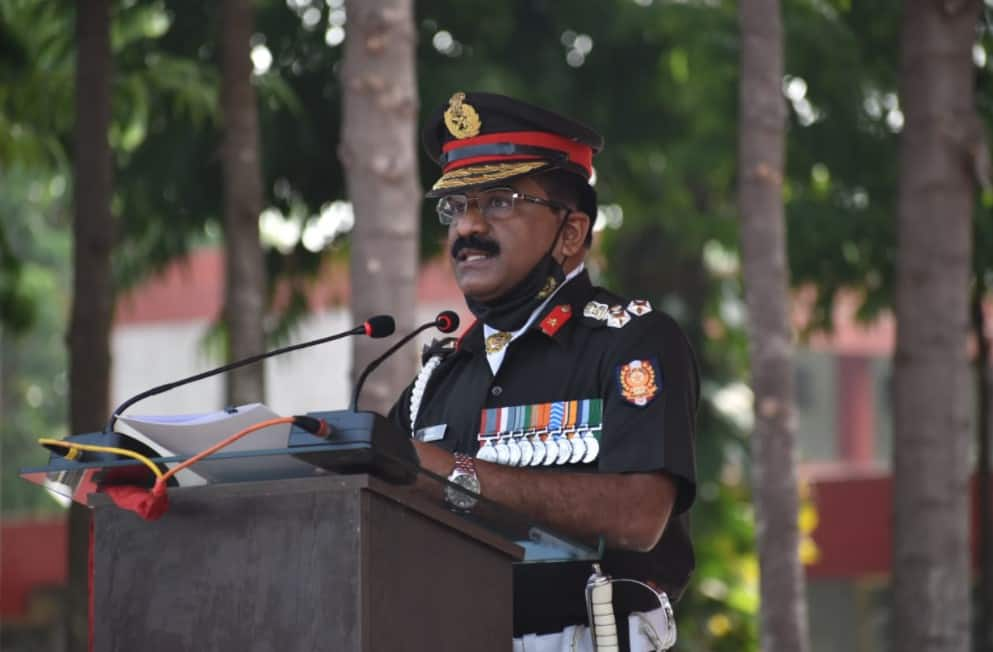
378	361
358	330
446	321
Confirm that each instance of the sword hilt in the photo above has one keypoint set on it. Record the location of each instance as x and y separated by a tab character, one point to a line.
600	608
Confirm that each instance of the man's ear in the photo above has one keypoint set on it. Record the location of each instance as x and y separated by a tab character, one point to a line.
574	232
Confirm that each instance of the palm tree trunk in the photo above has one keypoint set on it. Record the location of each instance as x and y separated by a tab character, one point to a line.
379	154
244	294
93	294
931	554
766	276
984	616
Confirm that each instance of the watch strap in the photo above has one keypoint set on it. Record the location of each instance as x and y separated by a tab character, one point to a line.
465	464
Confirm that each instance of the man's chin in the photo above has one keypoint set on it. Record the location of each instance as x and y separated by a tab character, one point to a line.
476	285
477	289
482	296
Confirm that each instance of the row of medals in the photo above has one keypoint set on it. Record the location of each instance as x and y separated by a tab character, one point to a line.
540	447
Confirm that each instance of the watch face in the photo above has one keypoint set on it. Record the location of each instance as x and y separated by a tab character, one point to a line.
460	499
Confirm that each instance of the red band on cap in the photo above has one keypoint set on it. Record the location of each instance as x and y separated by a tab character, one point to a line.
578	153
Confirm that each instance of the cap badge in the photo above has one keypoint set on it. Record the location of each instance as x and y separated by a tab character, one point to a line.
461	117
638	381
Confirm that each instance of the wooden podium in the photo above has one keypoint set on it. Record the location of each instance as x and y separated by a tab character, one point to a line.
338	563
327	557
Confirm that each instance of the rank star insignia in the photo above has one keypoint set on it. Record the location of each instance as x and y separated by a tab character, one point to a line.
639	307
638	381
596	310
617	317
497	341
461	117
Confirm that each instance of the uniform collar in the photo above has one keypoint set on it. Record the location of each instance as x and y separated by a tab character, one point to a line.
575	292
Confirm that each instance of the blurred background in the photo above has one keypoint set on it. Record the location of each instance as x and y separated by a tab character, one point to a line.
658	78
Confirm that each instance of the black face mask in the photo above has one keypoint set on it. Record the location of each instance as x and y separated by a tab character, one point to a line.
512	310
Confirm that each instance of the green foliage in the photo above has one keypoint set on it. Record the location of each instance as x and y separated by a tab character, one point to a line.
35	83
17	303
842	166
33	360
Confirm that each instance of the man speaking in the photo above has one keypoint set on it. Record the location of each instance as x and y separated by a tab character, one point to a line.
610	383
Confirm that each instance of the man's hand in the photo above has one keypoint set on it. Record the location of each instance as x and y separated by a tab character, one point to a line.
629	509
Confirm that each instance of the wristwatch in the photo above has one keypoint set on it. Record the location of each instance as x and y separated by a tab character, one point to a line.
463	475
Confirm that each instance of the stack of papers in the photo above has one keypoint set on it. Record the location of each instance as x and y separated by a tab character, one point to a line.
186	435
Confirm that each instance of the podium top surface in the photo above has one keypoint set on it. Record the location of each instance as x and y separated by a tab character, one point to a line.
247	473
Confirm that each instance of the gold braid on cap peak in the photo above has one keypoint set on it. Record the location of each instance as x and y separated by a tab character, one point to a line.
483	173
461	117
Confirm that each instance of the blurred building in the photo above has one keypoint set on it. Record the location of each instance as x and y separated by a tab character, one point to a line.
842	383
843	386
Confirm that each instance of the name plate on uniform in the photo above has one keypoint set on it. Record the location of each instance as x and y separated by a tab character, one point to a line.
431	433
543	434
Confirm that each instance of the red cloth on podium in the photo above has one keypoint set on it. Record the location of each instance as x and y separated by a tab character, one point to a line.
148	504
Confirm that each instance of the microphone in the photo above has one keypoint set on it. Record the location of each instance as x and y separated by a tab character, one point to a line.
378	326
447	321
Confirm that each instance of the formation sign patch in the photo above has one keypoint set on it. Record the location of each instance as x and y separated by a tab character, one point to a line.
639	381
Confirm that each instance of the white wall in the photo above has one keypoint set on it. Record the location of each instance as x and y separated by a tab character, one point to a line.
149	354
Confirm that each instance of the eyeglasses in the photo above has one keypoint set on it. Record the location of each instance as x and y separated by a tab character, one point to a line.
494	204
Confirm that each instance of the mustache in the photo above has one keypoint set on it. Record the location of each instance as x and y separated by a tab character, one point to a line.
473	241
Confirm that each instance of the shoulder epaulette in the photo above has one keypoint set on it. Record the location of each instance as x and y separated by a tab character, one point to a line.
610	310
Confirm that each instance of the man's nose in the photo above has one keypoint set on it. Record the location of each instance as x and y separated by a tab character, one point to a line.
472	221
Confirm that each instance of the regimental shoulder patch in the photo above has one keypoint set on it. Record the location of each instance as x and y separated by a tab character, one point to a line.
617	317
556	319
639	307
639	381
